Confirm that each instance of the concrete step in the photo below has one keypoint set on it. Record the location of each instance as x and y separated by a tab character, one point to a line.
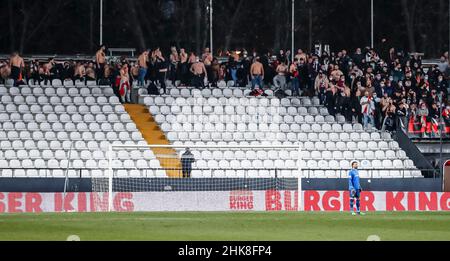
153	134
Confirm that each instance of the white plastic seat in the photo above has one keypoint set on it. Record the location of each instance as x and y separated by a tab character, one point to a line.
362	145
358	127
337	127
312	164
401	154
61	92
365	136
372	145
387	164
390	154
337	154
309	119
313	111
398	164
354	136
320	145
322	164
379	154
392	145
316	154
306	127
351	145
347	154
327	154
358	154
304	112
344	164
386	136
323	137
376	164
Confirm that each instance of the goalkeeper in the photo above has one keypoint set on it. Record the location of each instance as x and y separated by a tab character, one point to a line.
355	188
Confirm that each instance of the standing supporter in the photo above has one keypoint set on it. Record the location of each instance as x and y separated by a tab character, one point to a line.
161	67
336	73
367	108
268	70
293	73
79	72
199	73
90	72
377	110
16	64
100	61
134	73
5	71
207	59
246	64
143	66
321	86
152	72
446	118
108	75
422	115
174	62
47	71
313	70
191	60
443	64
215	72
330	99
280	79
358	57
232	69
34	72
124	87
222	72
354	112
67	72
441	85
300	55
257	73
184	68
303	75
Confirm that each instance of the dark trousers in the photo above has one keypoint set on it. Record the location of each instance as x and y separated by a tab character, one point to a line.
36	77
81	79
162	80
173	73
197	81
186	173
184	73
47	78
100	73
322	95
209	71
15	73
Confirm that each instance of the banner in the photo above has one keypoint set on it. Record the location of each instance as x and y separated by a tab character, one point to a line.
269	200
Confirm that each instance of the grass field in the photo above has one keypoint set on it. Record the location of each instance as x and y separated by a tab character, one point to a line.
226	226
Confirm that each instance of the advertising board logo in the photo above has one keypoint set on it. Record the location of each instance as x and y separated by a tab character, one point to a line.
241	200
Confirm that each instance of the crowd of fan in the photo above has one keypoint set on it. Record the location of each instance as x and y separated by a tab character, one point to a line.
377	90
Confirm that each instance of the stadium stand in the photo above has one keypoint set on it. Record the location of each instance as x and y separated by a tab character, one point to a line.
39	123
227	116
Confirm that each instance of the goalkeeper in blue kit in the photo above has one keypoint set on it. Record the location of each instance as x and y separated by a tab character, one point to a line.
355	188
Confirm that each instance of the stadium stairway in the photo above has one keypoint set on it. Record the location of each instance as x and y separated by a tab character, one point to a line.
152	133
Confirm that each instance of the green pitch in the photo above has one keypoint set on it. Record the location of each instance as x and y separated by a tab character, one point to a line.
226	226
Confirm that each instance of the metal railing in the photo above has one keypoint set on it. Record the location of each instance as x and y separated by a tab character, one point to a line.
274	172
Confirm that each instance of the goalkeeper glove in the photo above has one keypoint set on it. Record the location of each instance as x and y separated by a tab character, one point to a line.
353	192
